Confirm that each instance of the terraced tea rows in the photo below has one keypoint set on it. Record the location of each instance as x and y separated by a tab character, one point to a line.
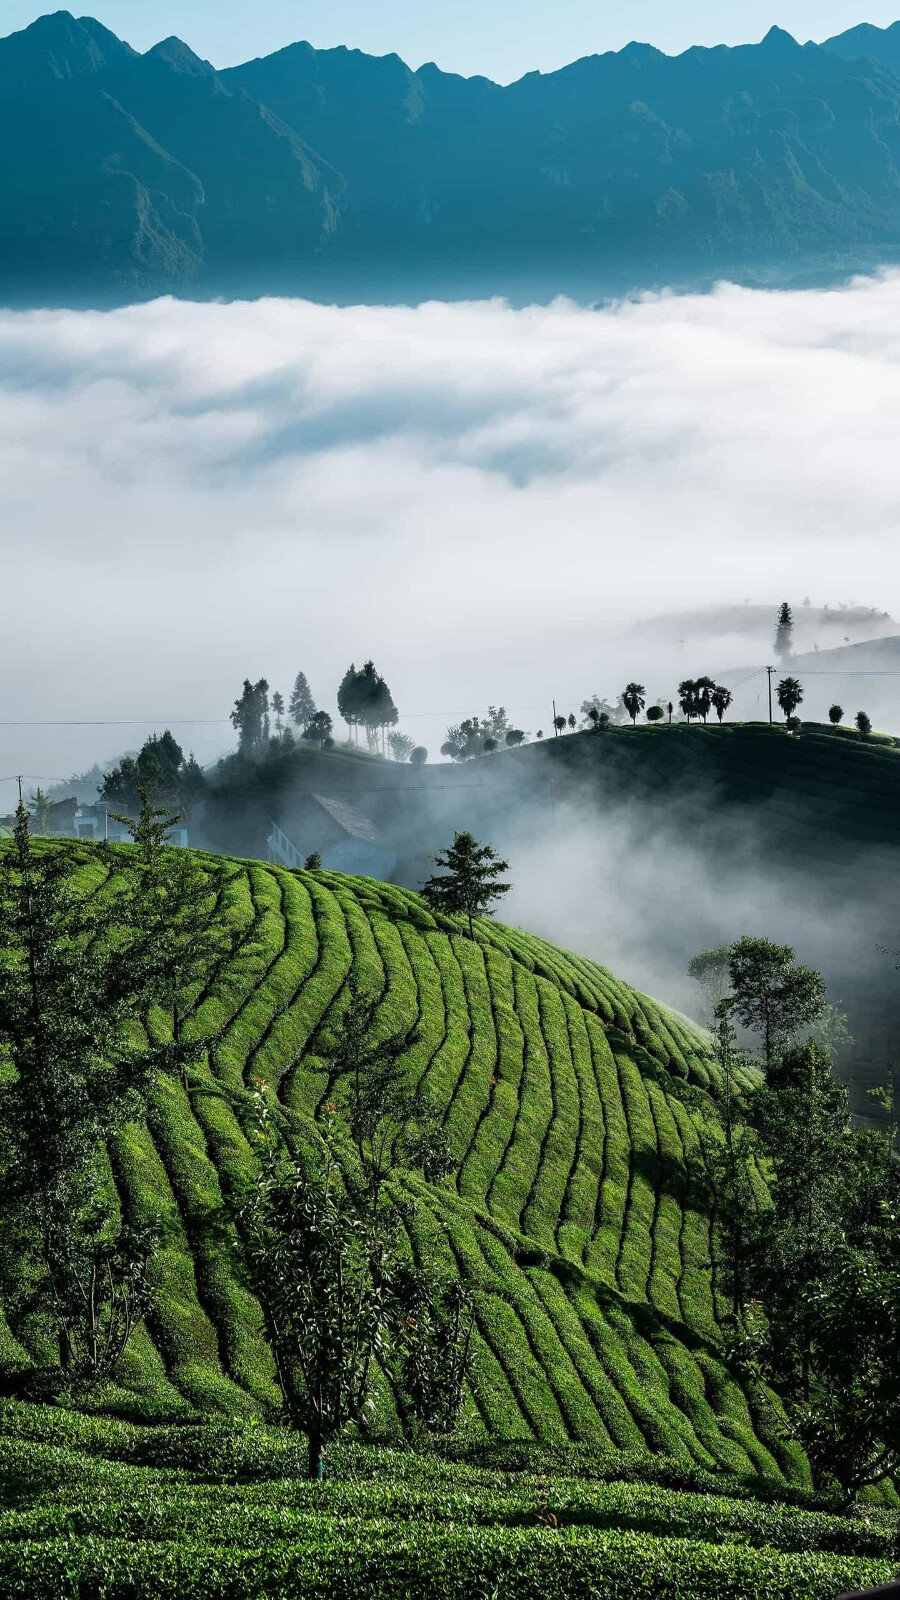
583	1119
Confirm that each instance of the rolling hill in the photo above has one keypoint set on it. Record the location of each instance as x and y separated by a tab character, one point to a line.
332	173
583	1119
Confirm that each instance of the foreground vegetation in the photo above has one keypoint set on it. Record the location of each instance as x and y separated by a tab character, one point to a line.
92	1507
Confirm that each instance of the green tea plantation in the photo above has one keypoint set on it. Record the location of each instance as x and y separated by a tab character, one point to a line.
606	1450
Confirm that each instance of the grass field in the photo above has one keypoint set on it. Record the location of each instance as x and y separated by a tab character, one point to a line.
583	1117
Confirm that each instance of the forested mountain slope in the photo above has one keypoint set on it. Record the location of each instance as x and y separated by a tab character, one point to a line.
332	172
582	1117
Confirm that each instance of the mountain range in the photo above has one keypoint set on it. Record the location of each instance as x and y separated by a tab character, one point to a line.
335	174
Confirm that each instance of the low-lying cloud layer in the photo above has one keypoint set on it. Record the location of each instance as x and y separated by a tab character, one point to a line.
477	497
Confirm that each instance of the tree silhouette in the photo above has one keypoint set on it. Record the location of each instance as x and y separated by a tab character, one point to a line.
790	694
835	715
634	699
302	706
687	698
468	881
515	736
784	632
704	689
721	699
419	756
278	710
864	724
655	713
250	717
559	723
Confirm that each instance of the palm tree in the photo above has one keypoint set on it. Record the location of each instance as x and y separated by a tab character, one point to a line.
721	699
687	698
790	693
704	688
634	699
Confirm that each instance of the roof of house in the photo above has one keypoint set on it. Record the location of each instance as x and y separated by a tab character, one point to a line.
347	817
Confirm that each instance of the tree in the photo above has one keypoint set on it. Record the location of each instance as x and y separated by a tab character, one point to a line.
593	717
40	812
670	708
571	720
469	879
688	698
633	697
784	632
864	724
76	968
772	994
704	688
419	756
465	740
559	724
313	862
347	699
159	769
370	701
824	1261
489	746
318	729
655	713
721	699
250	717
790	694
515	736
302	706
278	710
710	969
835	715
401	746
322	1239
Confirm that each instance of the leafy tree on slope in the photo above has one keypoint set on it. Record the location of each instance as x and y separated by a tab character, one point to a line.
704	689
76	969
771	993
863	724
468	883
835	715
321	1236
250	717
688	698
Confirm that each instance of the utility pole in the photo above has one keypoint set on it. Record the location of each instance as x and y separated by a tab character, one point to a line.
19	781
770	670
555	728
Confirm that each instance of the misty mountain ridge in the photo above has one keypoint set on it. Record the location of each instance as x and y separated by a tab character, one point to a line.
317	171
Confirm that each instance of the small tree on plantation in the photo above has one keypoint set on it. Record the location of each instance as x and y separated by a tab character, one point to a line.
772	994
489	746
468	883
571	721
401	746
863	724
835	715
790	695
593	714
721	699
322	1238
40	812
559	724
784	628
670	708
515	736
634	699
419	756
655	713
302	707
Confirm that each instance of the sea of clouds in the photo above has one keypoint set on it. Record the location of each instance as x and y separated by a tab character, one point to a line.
478	497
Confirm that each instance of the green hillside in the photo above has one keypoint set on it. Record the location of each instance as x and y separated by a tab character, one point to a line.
582	1116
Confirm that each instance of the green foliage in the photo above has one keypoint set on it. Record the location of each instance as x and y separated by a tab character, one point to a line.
364	699
160	771
468	883
835	715
863	724
250	717
772	994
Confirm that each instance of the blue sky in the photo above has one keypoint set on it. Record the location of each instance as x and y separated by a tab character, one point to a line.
501	38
